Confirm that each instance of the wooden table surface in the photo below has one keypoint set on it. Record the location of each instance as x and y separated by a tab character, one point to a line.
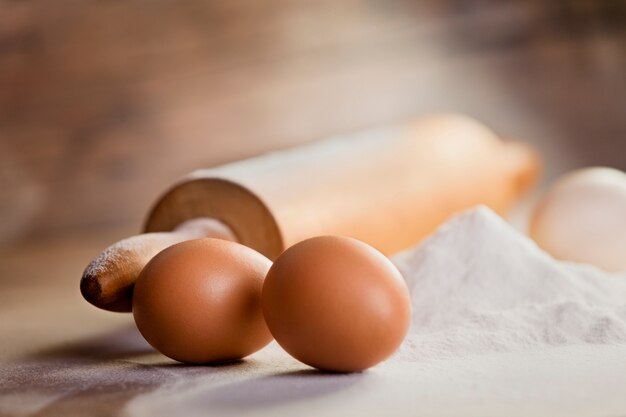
103	104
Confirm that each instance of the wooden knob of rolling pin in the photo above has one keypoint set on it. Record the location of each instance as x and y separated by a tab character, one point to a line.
109	279
389	187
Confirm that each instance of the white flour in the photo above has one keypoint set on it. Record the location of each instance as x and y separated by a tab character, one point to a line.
479	286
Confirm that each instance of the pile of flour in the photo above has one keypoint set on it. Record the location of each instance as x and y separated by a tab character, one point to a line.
479	286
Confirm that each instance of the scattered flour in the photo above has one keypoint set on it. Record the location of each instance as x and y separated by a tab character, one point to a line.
141	248
479	286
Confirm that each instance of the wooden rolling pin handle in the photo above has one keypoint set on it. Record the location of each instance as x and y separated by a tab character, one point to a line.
524	165
109	279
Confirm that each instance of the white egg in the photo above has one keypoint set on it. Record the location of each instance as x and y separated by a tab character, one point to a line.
582	218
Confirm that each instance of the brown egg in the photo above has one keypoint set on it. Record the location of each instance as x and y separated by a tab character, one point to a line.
199	301
336	303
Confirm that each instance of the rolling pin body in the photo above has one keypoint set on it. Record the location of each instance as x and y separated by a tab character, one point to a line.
388	187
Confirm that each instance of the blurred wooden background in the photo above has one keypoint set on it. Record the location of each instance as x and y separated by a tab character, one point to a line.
105	103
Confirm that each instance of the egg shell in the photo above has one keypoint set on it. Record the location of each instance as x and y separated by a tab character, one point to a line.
199	301
336	303
582	218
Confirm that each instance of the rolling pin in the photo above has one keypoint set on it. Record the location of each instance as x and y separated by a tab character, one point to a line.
389	187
